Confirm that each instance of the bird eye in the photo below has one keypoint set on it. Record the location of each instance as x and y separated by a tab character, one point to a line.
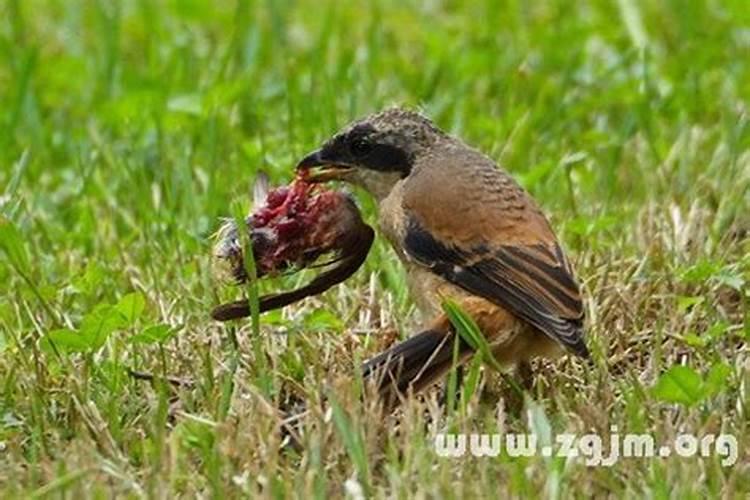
360	147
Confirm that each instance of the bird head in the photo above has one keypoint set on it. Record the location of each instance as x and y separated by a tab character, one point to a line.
375	152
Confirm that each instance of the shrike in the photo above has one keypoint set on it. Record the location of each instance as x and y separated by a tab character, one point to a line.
465	231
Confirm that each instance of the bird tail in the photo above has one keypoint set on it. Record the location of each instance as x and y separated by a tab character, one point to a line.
415	363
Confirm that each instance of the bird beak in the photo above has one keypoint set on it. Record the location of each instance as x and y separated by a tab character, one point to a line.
324	169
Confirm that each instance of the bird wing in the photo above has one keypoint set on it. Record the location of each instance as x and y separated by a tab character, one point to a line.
475	227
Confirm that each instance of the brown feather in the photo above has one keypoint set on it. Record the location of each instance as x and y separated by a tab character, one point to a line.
472	224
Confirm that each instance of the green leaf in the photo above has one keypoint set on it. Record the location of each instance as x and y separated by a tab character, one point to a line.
685	303
536	174
248	261
190	104
716	378
66	339
97	326
714	332
712	270
90	280
717	330
586	226
12	244
680	384
153	334
700	272
470	332
322	319
131	306
6	311
276	318
11	188
471	381
694	340
353	442
293	365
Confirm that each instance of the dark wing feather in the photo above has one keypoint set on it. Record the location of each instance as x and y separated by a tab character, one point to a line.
533	281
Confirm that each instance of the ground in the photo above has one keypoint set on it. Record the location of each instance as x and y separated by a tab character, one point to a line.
127	129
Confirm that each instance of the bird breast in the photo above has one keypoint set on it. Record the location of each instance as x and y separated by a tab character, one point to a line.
425	287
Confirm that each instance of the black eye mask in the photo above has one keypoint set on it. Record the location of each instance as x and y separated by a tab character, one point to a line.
386	158
365	149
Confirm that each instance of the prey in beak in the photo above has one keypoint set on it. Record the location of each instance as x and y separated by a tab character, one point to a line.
318	168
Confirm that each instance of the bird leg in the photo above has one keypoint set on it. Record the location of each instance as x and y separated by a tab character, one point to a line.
525	375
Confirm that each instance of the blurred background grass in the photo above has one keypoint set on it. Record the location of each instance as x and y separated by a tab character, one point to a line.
127	128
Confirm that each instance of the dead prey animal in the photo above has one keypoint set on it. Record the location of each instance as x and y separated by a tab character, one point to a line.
291	228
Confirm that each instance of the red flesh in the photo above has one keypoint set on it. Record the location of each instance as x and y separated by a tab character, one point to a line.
301	221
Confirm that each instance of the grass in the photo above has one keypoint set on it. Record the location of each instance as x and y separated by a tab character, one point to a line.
128	128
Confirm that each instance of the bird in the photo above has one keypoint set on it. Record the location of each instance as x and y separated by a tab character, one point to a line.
465	231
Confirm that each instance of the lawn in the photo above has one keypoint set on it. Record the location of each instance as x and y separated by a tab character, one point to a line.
128	128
